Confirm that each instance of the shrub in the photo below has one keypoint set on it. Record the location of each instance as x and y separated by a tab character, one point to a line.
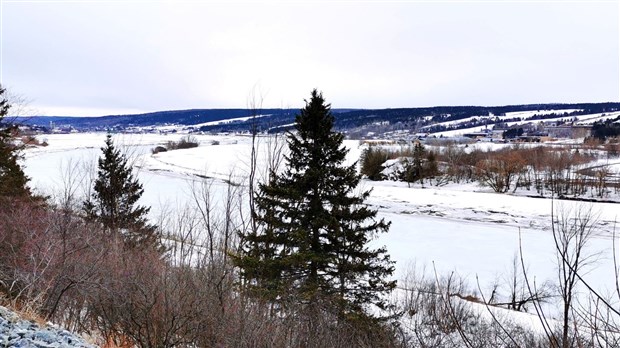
186	142
158	149
499	169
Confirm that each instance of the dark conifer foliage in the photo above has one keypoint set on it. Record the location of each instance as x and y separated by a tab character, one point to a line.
314	229
606	129
13	181
113	202
413	169
372	161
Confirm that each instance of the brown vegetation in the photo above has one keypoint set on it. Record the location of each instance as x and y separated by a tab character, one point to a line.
68	270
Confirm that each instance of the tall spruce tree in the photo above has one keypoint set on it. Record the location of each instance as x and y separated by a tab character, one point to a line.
113	202
314	230
412	168
13	181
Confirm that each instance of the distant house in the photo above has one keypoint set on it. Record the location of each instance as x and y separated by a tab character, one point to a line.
528	139
64	129
26	130
478	135
497	134
569	131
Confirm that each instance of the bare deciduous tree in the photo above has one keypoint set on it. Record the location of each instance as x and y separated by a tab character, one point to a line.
572	230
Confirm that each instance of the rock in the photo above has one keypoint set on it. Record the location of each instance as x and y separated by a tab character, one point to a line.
15	332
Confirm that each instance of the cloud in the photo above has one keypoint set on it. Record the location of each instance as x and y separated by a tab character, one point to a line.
138	55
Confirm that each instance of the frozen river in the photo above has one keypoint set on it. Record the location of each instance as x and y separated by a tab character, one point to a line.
460	228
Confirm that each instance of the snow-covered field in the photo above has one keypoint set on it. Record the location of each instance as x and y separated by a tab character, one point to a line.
461	228
579	120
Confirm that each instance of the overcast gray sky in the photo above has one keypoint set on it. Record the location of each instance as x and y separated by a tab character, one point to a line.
103	57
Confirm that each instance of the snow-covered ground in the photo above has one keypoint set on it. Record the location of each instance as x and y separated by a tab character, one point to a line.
184	129
461	228
526	114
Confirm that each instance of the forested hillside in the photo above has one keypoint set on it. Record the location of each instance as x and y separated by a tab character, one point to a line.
273	120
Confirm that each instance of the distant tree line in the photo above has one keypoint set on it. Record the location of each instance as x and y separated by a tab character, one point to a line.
557	172
512	133
411	118
603	130
280	120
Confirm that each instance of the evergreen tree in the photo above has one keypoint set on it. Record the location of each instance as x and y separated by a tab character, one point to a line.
13	181
372	163
314	230
412	168
431	169
114	198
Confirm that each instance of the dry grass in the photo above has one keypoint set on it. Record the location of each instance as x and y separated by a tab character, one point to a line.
25	310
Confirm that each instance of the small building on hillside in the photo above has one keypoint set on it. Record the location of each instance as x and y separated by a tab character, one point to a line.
497	134
528	139
569	131
485	133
